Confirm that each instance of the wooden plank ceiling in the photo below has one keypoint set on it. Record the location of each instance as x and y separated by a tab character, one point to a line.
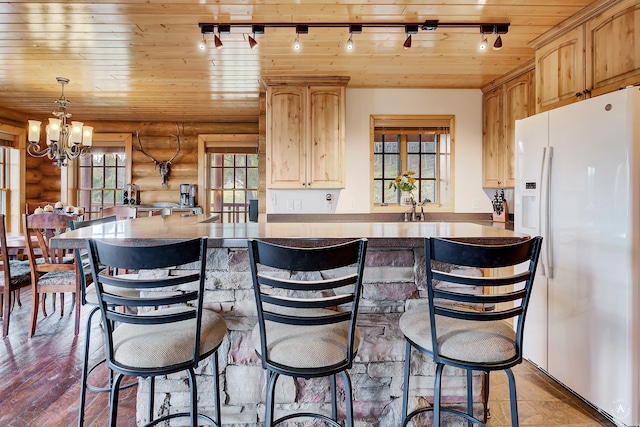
139	59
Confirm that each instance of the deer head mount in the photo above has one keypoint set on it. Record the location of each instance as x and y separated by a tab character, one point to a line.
163	165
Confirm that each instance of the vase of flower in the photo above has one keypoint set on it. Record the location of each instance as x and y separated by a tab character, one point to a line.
405	184
406	198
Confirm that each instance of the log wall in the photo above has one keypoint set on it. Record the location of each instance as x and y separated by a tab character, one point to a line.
43	179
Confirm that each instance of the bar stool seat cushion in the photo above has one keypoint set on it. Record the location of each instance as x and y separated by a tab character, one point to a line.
163	345
476	342
306	346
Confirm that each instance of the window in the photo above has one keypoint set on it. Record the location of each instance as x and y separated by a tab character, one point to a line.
12	190
231	175
99	178
419	144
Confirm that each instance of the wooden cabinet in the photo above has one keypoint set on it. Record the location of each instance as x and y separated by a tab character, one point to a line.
612	42
560	71
595	54
502	106
305	133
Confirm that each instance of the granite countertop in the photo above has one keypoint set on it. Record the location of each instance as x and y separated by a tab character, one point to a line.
158	229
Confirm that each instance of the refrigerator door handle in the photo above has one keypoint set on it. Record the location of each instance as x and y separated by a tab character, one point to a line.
543	261
547	215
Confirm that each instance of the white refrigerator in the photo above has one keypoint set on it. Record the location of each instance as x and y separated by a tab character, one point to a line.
578	186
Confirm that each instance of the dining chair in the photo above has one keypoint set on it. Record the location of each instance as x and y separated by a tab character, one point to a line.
14	275
455	330
52	270
89	297
121	212
168	332
307	303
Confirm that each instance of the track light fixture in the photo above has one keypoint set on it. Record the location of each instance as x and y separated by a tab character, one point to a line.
255	29
353	28
300	29
410	29
407	42
205	29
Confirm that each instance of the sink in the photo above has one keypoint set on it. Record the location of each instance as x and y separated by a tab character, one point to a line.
162	205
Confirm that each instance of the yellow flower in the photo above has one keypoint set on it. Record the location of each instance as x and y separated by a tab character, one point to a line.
404	182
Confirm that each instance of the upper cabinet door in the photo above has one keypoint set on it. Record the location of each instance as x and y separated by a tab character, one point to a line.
613	44
326	157
518	104
492	139
560	70
306	132
286	136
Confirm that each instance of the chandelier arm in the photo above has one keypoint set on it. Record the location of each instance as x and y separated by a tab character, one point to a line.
34	150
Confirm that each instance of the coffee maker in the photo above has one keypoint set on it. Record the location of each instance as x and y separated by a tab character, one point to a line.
187	195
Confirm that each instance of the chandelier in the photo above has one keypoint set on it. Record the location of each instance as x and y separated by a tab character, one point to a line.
64	141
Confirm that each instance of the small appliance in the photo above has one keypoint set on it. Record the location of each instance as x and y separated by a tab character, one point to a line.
187	195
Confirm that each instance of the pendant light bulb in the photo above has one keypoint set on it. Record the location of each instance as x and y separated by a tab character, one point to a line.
350	43
296	43
483	43
203	43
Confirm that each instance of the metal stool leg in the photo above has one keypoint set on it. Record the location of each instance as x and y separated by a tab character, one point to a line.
334	399
513	398
348	399
405	391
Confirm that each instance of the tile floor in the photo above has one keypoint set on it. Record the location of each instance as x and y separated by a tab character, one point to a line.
541	401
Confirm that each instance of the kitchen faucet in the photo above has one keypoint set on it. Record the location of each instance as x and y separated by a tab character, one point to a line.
414	216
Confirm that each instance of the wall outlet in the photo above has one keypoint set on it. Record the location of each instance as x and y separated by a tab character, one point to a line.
290	204
297	204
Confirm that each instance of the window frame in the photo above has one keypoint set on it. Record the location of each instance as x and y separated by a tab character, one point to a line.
69	177
16	194
416	122
210	142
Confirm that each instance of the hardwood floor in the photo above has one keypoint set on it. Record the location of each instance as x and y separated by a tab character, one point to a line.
41	382
41	375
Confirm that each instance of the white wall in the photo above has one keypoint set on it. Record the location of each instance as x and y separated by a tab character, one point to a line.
465	104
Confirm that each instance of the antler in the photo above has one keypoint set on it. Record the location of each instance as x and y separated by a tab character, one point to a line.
164	165
177	135
141	150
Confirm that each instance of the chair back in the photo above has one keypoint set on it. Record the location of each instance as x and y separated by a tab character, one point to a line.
39	229
5	268
76	224
508	295
29	207
121	212
184	264
307	286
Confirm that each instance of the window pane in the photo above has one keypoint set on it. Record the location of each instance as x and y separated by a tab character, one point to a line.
98	178
252	161
421	150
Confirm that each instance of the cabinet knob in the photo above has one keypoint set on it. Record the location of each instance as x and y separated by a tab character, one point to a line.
578	94
586	91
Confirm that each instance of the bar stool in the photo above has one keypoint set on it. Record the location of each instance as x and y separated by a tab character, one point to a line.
89	297
307	302
169	332
454	333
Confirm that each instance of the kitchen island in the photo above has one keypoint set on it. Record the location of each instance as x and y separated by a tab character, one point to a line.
394	282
